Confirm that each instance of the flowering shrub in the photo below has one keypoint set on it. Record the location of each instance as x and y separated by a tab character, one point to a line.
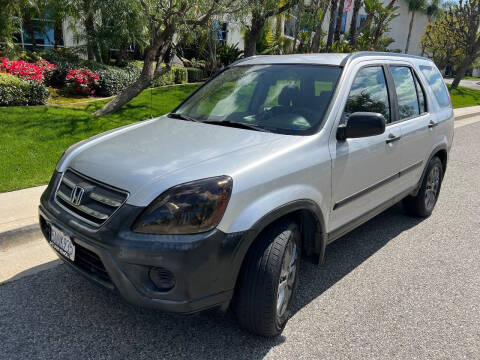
82	81
46	68
25	70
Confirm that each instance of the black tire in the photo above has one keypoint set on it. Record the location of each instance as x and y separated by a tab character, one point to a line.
418	205
255	304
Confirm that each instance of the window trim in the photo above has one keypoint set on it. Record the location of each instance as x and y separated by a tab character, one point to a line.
425	101
394	90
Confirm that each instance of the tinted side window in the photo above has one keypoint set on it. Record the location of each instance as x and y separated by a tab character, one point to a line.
406	92
421	96
435	80
368	93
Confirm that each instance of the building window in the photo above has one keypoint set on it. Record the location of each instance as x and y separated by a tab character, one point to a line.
360	20
289	25
221	30
43	31
344	23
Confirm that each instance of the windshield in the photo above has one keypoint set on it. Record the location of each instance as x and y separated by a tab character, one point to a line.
286	99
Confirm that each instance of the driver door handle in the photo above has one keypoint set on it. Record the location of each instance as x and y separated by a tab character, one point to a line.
392	138
432	124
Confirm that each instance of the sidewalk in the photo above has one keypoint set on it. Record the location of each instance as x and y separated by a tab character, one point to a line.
466	112
19	209
19	213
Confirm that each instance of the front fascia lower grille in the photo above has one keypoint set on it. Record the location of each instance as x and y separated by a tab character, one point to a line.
90	262
87	199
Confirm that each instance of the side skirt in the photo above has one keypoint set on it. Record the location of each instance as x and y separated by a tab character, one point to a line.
338	233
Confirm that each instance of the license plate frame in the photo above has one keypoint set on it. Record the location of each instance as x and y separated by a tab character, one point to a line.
62	243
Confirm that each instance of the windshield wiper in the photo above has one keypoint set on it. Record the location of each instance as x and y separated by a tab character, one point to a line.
239	125
182	117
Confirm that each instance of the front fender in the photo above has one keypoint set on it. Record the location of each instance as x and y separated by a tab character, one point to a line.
243	215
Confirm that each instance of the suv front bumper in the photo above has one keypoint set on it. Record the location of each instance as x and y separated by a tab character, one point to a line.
204	266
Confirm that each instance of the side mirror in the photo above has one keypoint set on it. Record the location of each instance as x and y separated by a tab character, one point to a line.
362	124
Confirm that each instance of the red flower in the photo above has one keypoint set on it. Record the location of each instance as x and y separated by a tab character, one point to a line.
21	69
82	81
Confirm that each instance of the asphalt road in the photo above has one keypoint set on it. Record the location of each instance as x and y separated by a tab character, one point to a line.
395	288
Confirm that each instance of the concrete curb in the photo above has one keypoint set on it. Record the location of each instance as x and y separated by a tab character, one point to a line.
466	116
19	236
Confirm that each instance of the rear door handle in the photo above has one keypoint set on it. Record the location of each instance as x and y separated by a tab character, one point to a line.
392	138
432	124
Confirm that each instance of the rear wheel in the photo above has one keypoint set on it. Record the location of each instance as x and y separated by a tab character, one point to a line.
268	280
423	203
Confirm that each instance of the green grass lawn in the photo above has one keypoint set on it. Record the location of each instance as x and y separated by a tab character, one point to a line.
32	139
462	97
60	97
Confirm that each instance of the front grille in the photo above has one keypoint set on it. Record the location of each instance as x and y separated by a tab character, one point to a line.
90	262
87	199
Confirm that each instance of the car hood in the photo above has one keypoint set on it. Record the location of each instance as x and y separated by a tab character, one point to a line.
133	156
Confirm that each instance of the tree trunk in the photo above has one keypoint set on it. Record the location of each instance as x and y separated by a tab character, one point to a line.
90	41
297	24
160	45
27	21
409	32
318	30
353	24
254	35
462	70
333	9
57	33
122	54
338	26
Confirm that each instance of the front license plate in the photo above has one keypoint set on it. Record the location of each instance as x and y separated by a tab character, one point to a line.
62	243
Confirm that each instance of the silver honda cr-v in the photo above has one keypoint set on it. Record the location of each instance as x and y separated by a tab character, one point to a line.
275	157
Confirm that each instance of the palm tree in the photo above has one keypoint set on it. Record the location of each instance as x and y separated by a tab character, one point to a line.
413	7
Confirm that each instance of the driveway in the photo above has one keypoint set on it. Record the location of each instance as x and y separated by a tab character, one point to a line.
471	84
396	287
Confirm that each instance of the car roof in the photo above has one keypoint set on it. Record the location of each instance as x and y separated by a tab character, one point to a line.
324	59
334	59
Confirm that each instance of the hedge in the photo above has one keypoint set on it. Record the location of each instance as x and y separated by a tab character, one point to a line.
114	80
14	91
181	75
166	79
195	75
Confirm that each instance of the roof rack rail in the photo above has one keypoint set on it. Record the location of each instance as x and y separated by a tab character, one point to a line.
380	53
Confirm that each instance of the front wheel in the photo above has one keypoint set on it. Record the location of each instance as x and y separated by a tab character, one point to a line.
423	203
268	280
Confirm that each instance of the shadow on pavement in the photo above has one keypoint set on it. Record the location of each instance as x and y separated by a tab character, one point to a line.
58	314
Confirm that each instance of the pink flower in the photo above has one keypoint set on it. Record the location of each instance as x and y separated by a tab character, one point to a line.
82	80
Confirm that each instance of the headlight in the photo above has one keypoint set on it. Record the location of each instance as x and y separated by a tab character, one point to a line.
189	208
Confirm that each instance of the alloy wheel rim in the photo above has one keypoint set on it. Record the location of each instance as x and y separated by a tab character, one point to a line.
433	185
287	278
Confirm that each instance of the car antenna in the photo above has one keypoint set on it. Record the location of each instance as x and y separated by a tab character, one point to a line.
151	100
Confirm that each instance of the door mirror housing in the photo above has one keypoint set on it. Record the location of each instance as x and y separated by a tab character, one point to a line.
361	124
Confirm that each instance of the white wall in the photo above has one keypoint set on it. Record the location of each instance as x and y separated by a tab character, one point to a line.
68	36
235	35
399	29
